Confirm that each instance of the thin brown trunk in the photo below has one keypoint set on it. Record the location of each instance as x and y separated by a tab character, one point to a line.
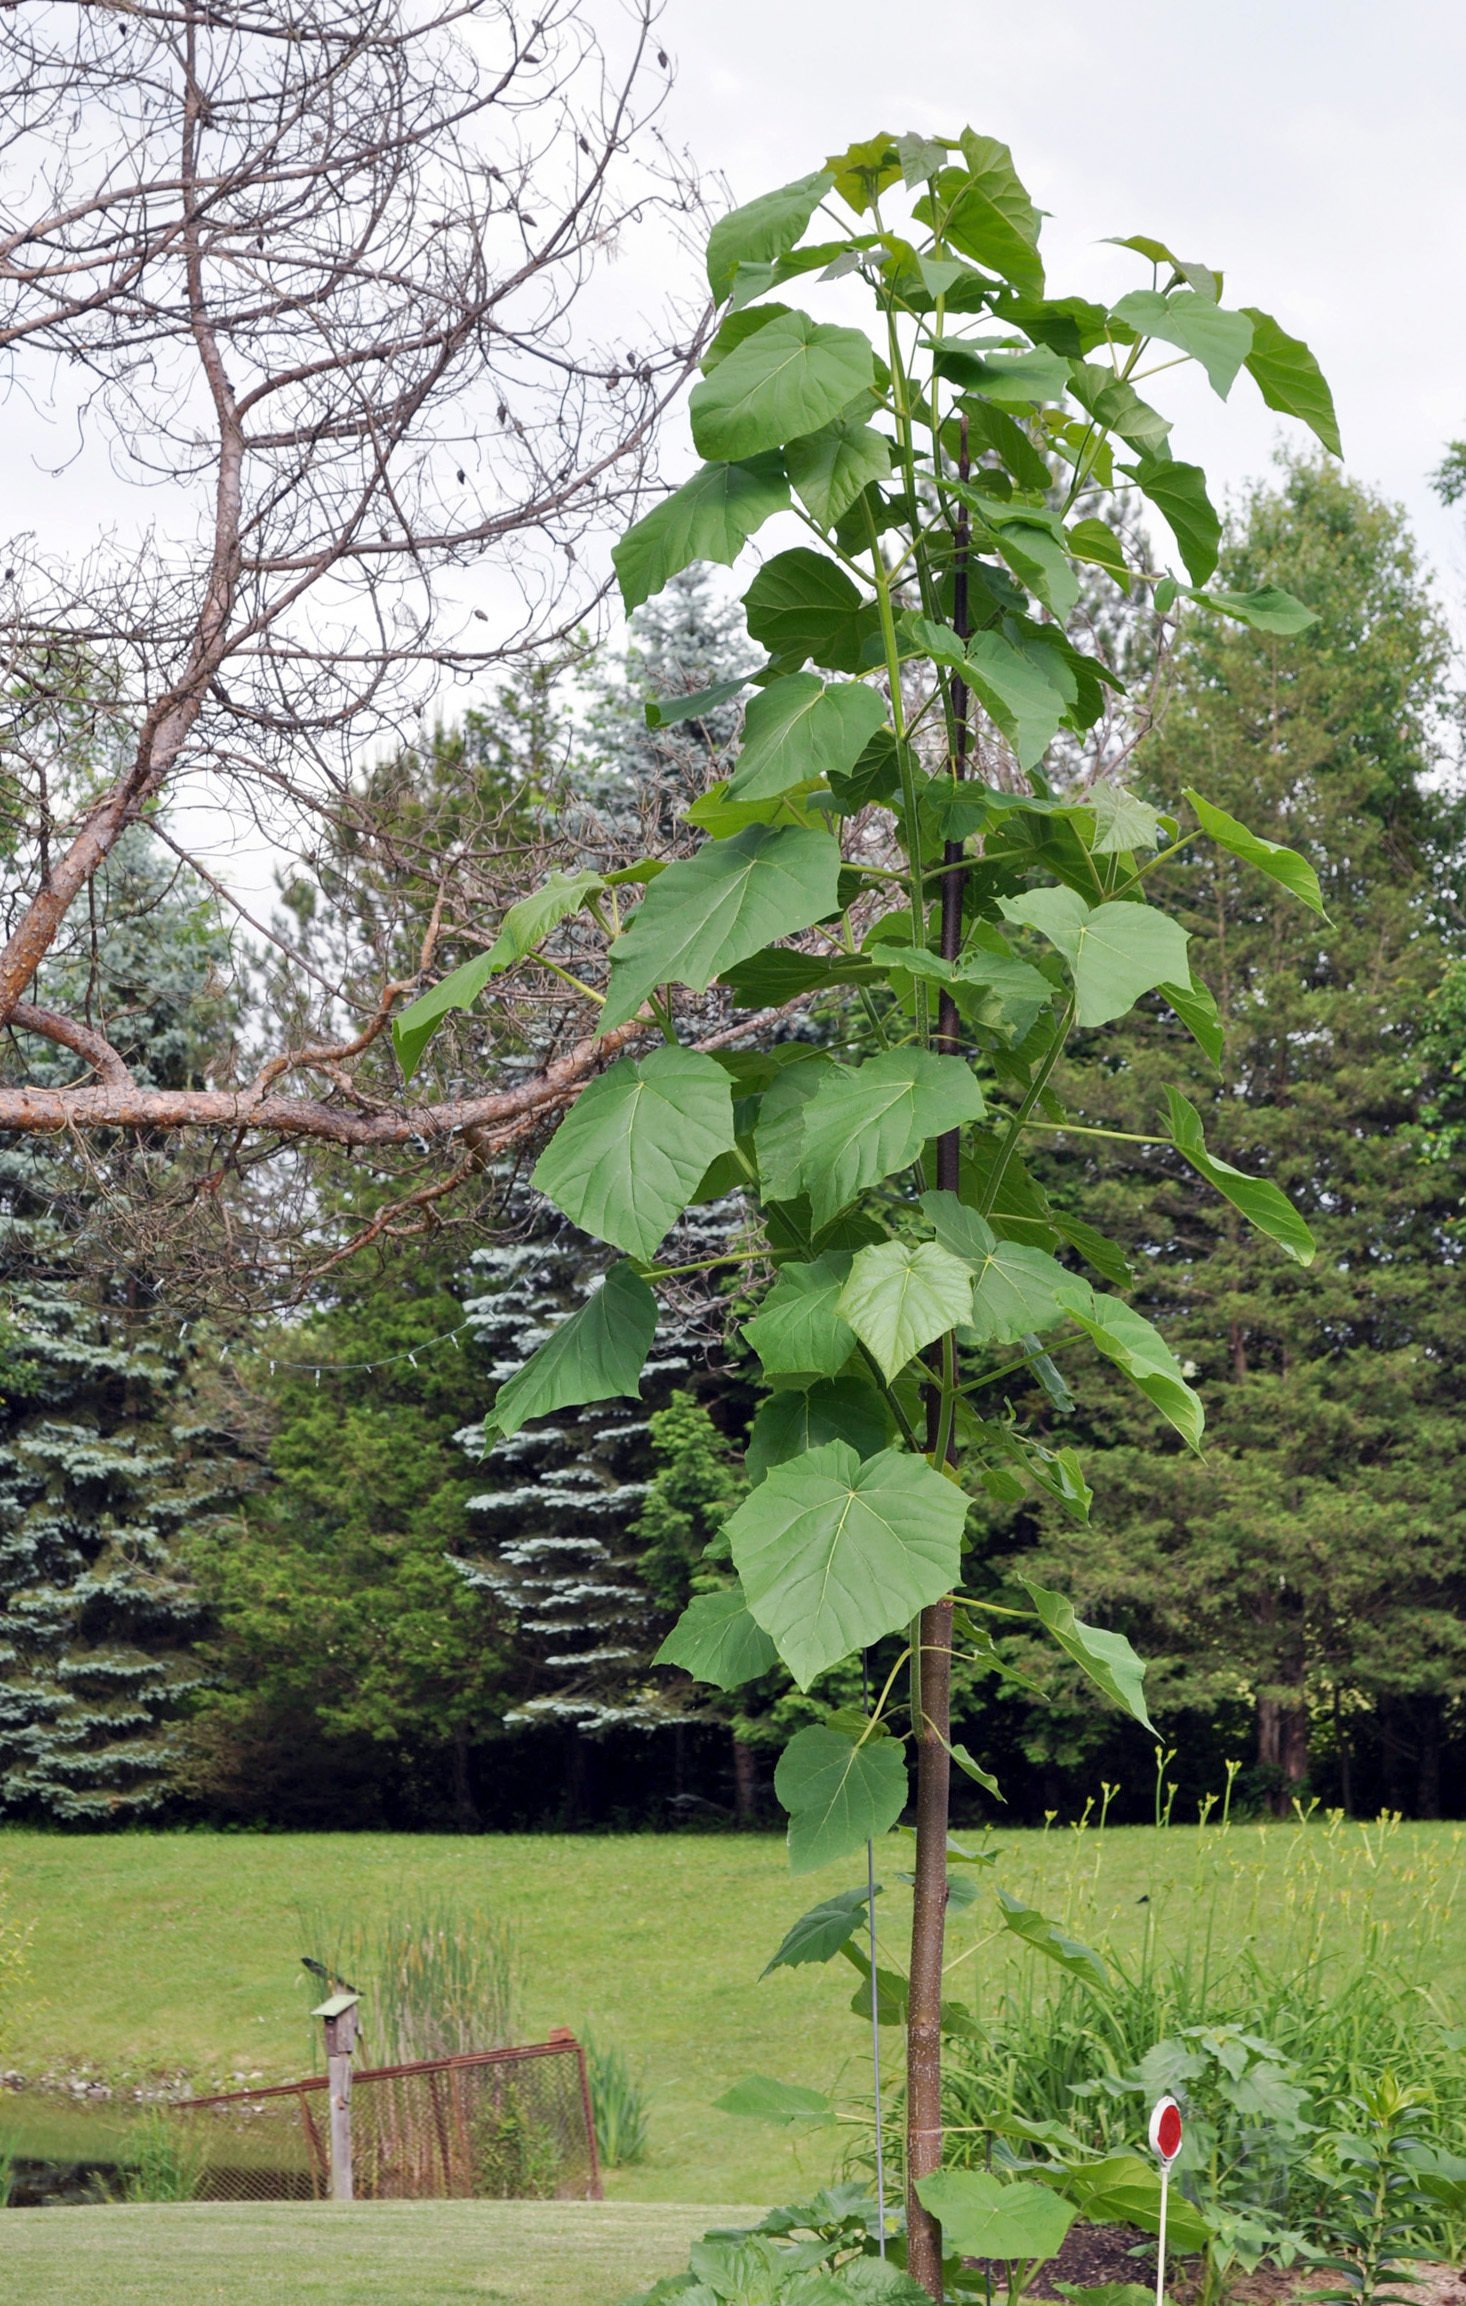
932	1675
928	1931
745	1782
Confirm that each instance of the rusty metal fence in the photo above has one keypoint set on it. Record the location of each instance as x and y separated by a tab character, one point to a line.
500	2124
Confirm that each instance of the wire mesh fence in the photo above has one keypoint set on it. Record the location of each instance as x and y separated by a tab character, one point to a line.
499	2124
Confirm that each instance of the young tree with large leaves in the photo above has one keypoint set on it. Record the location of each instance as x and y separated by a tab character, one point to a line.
887	825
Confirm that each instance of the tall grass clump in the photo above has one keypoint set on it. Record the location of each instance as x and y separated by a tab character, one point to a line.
619	2105
435	1978
166	2160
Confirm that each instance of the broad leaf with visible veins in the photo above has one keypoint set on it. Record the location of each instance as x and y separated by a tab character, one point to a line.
634	1147
840	1794
902	1294
709	911
833	1551
863	1122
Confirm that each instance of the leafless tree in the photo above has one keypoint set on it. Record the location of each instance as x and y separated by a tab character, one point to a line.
325	275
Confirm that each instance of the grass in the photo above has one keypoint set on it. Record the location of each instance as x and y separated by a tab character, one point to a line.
161	1954
299	2254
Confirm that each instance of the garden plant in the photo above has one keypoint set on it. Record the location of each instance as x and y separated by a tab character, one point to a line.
927	810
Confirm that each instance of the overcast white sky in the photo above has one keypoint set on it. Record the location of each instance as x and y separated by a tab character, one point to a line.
1314	149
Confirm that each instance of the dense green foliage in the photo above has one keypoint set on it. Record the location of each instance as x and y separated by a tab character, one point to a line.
1312	1568
352	1670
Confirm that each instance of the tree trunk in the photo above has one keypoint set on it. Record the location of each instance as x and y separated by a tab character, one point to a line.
1282	1745
928	1929
573	1796
745	1782
465	1809
1428	1790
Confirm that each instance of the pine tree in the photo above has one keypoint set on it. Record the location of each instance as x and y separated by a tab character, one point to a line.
113	1441
558	1543
1312	1567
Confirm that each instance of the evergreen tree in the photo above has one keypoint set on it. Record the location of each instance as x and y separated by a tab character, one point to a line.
636	781
114	1439
354	1677
1311	1568
558	1541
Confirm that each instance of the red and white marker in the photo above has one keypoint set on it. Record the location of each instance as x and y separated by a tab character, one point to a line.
1166	2138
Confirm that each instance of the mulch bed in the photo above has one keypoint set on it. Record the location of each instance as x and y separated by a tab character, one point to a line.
1092	2255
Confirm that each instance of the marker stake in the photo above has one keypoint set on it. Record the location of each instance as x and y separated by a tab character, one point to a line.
1165	2144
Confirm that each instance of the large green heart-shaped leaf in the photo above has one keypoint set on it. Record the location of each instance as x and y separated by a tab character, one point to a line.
778	1138
1262	1203
991	217
839	1794
785	380
717	1640
1178	492
832	467
802	604
594	1356
834	1551
798	1331
1137	1346
762	229
1125	2190
709	911
1290	379
798	730
524	926
1016	689
761	2099
983	2216
819	1935
1048	1939
790	1423
863	1122
902	1294
1219	339
629	1154
1033	544
1115	951
1015	1289
1285	866
711	517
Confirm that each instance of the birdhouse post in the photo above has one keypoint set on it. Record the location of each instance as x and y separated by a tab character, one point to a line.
338	2015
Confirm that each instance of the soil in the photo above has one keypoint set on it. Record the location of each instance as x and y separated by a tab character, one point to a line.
1092	2255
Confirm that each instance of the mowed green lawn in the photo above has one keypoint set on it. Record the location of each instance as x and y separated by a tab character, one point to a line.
161	1953
302	2254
